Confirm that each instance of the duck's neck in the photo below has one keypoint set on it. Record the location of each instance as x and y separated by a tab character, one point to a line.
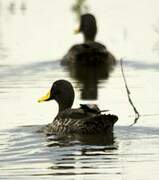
66	102
88	39
64	107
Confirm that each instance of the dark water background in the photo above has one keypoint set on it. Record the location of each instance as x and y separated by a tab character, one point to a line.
34	35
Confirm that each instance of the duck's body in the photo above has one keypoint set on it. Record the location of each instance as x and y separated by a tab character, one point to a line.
76	121
89	52
88	119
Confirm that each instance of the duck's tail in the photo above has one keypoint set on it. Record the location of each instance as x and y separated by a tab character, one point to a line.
101	124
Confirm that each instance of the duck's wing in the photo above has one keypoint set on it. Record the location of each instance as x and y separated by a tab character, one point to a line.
92	108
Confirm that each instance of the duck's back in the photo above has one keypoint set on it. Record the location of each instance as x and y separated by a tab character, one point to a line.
92	53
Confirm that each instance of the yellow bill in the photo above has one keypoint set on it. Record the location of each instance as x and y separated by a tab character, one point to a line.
45	98
77	31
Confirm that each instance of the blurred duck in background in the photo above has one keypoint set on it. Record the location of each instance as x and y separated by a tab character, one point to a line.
90	52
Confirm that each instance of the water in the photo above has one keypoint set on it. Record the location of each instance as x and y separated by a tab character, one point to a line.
33	37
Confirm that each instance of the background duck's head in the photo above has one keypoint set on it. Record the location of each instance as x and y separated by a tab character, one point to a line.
62	92
88	27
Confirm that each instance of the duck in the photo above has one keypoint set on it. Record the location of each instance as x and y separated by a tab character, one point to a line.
88	119
89	52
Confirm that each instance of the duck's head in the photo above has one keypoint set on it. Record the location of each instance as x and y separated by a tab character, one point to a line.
62	92
88	27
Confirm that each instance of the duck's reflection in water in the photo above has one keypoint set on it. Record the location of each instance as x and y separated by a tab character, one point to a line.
77	153
89	77
107	141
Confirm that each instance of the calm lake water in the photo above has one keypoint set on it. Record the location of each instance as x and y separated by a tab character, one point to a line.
34	36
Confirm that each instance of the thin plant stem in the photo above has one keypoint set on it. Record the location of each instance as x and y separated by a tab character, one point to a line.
137	115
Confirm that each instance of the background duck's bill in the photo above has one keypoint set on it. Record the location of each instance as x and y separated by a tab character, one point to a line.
76	31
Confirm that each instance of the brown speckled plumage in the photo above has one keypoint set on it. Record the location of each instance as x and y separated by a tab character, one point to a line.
99	124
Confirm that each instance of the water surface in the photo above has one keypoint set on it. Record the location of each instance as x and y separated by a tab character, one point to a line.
33	38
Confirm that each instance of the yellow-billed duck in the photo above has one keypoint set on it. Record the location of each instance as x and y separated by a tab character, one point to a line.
87	119
90	52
